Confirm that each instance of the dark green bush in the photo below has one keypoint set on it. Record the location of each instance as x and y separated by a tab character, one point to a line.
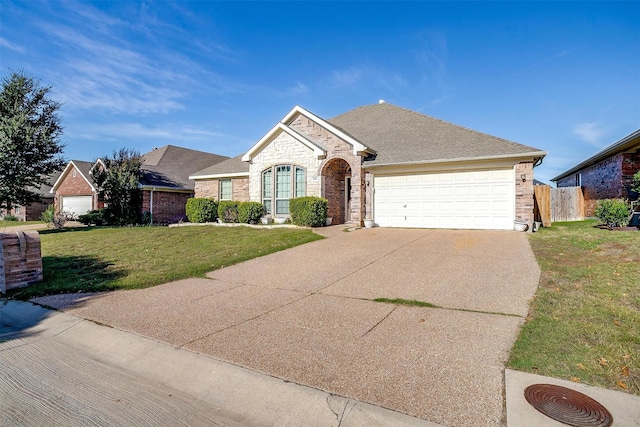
250	212
228	211
10	218
201	210
613	212
92	217
308	211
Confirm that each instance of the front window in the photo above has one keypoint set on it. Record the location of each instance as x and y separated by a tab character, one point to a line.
279	185
225	189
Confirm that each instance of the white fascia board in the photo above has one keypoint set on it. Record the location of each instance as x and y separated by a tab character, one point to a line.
358	147
220	175
64	174
99	161
280	127
505	158
165	189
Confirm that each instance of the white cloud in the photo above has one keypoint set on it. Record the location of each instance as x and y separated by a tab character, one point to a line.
590	132
372	77
14	47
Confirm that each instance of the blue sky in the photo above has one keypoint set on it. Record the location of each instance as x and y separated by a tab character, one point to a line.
216	76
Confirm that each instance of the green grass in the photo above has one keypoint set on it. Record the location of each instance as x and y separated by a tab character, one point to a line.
4	223
584	322
100	259
411	302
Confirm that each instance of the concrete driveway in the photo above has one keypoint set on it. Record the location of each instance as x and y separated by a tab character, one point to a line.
306	315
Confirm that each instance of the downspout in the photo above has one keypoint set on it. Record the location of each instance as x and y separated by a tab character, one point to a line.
151	205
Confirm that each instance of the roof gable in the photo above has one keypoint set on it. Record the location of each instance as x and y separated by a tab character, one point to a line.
81	166
626	143
318	149
401	136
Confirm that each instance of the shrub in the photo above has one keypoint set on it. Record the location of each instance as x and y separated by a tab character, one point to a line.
613	212
201	210
228	211
92	217
308	211
53	219
250	212
10	218
635	183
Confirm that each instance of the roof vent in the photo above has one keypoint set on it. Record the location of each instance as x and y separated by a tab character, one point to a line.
381	101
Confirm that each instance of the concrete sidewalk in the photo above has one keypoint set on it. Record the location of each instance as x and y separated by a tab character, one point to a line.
58	369
306	315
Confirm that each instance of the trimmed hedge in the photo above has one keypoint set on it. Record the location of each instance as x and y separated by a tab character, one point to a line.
308	211
228	211
613	212
250	212
92	217
201	210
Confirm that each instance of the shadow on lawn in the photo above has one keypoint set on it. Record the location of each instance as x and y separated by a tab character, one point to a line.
71	274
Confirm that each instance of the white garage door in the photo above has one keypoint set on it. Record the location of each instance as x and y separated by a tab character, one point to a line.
466	200
76	205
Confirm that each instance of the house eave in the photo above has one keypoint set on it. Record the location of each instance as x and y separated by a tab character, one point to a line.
220	175
617	147
531	156
273	133
64	174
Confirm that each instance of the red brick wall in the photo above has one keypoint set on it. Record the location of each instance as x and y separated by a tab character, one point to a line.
168	207
20	259
73	186
209	188
608	179
524	192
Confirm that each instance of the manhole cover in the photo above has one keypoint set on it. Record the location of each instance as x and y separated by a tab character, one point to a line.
567	406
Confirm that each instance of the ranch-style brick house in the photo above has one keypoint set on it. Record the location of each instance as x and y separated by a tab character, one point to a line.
74	191
607	174
382	162
164	182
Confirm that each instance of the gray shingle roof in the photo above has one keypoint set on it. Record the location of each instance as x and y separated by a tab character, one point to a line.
401	136
230	166
171	166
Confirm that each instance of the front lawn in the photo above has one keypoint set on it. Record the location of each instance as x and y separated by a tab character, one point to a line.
4	223
584	323
99	259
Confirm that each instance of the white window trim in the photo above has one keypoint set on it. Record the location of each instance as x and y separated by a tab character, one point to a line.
230	181
293	191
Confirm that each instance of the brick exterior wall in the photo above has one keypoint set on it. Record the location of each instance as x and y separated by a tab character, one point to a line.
74	186
524	192
20	259
168	207
209	188
608	179
32	212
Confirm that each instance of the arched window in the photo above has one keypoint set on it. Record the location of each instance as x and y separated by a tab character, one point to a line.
281	183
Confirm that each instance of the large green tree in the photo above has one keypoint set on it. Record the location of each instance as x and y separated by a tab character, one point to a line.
30	147
118	187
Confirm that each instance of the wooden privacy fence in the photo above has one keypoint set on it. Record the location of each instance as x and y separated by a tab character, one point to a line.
558	204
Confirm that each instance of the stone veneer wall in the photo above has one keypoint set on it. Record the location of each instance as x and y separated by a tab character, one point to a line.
20	259
284	149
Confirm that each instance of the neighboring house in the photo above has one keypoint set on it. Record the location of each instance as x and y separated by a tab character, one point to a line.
607	174
34	211
398	167
165	180
74	191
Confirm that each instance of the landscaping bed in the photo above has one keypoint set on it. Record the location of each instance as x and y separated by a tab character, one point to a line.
103	258
584	322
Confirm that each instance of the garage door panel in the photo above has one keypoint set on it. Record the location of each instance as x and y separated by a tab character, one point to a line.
76	205
479	199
